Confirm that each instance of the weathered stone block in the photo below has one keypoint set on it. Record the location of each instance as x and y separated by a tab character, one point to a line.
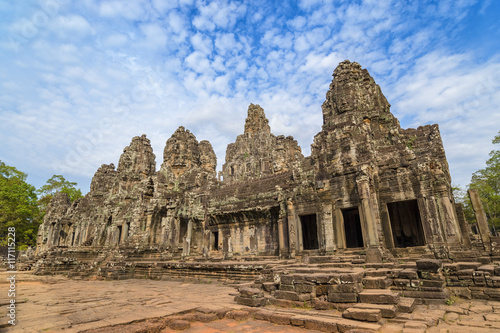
387	310
372	315
406	304
269	286
287	287
345	288
467	265
288	295
322	305
320	325
429	265
321	290
374	282
305	288
251	292
378	296
401	283
279	319
343	297
409	274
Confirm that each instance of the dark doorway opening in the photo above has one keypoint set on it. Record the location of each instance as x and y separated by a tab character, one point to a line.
215	240
405	223
309	232
119	234
182	230
352	227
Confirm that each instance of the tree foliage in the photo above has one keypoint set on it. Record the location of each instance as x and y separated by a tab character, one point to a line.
487	182
56	184
18	207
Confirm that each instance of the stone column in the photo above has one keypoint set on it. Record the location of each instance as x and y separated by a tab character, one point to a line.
292	233
482	222
186	244
339	229
283	248
367	211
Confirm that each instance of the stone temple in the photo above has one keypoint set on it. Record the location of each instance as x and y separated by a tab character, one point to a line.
367	184
366	225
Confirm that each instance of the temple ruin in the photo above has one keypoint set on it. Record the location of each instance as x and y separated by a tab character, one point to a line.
364	229
367	184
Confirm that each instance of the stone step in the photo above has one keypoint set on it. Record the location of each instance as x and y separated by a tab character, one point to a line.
376	282
406	304
371	315
386	310
379	296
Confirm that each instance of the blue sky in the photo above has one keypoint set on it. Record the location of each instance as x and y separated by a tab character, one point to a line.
79	79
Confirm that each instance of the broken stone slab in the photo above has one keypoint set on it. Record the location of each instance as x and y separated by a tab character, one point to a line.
378	296
406	304
251	292
387	310
371	315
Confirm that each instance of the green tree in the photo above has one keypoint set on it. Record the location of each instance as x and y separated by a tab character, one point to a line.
18	207
56	184
487	183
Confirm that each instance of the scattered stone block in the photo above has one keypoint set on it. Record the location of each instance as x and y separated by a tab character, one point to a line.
429	265
406	305
371	315
376	296
386	310
251	292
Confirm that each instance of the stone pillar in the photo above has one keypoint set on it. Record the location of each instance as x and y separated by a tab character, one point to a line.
339	229
367	211
482	222
292	232
283	244
449	220
186	242
327	223
463	225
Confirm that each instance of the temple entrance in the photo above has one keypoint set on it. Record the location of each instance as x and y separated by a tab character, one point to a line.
119	240
309	232
215	241
183	226
352	228
406	224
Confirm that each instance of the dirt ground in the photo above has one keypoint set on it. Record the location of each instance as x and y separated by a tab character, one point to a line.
59	304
